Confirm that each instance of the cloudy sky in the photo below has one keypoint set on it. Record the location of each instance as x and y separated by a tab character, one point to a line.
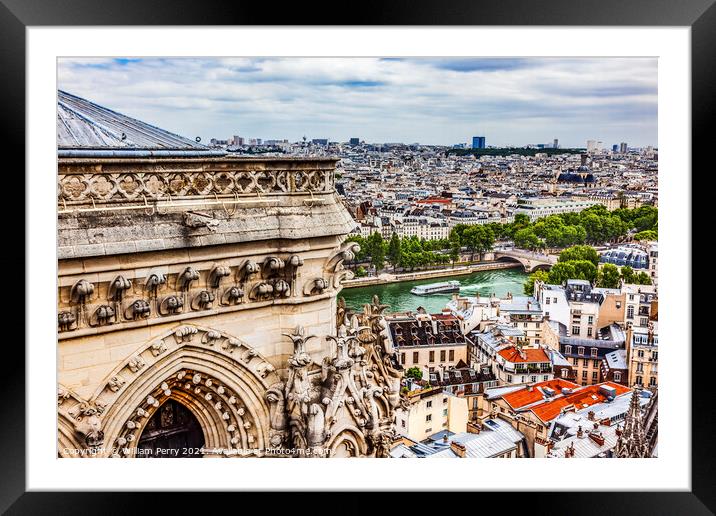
425	100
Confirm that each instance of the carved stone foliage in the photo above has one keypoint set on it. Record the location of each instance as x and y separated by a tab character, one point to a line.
122	187
357	387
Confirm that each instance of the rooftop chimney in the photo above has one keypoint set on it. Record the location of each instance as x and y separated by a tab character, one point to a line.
458	449
473	428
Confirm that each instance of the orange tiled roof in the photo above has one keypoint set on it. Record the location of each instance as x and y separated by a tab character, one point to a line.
511	354
588	396
524	397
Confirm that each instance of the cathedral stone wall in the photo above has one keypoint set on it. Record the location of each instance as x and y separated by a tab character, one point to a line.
190	280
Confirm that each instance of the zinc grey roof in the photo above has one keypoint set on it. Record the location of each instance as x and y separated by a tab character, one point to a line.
82	124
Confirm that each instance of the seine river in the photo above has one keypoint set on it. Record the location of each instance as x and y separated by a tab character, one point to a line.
398	296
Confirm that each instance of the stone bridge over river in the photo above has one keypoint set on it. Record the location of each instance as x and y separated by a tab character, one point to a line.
531	261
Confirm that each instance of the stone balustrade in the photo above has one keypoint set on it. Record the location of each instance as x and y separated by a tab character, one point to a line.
122	181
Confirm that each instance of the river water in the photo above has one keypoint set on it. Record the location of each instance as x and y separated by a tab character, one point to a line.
398	296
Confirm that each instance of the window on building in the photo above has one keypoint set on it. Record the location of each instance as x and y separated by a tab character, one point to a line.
639	380
589	331
590	319
619	304
565	373
652	381
546	301
429	417
594	375
568	350
594	352
617	376
575	330
533	379
432	356
444	401
644	321
402	423
444	412
640	353
451	355
640	367
580	350
442	356
595	363
402	358
554	300
509	378
655	355
630	312
584	375
575	361
429	404
631	298
536	341
415	357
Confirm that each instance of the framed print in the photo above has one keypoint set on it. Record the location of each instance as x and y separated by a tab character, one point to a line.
425	236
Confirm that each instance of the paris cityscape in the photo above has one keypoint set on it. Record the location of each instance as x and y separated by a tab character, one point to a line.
229	291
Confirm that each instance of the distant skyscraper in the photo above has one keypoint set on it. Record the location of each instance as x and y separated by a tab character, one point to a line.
320	141
354	141
478	142
555	145
623	147
615	147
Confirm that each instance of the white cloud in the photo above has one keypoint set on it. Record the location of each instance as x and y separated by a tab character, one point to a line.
443	101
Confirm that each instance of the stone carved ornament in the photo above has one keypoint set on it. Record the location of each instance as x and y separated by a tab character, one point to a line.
360	383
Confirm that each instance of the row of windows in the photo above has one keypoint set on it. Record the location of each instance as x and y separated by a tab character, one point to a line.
652	381
523	379
580	350
416	356
585	362
575	331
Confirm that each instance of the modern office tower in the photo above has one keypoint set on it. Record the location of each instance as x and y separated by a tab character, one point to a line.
478	142
615	147
354	141
623	147
555	145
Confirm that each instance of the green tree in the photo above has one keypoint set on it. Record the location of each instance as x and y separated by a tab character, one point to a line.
627	274
360	272
395	252
454	250
642	279
579	252
608	276
526	239
529	285
414	372
376	248
649	234
561	272
584	269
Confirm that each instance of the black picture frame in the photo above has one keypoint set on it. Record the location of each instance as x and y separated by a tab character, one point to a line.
17	15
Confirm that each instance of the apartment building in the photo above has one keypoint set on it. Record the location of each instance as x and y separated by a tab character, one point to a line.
428	341
430	411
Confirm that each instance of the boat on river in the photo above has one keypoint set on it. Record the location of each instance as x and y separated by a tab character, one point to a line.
436	288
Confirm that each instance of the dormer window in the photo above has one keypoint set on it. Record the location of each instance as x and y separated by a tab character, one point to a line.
580	350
